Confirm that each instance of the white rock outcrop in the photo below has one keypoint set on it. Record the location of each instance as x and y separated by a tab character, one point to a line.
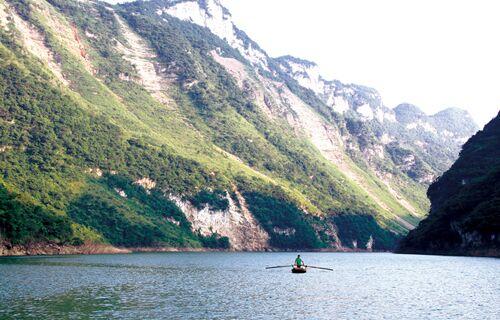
146	183
121	192
219	21
236	223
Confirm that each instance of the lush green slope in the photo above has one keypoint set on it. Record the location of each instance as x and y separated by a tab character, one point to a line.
240	127
77	134
49	143
465	210
81	125
21	221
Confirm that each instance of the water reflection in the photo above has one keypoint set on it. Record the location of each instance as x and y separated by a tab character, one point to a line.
236	286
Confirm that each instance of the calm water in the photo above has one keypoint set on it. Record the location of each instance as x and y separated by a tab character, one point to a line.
236	286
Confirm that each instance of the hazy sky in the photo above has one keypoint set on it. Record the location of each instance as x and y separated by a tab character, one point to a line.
434	54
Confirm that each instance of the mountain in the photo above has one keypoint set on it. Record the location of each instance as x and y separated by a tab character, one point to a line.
421	146
161	124
465	202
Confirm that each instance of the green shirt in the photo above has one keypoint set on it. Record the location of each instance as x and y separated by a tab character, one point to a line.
298	262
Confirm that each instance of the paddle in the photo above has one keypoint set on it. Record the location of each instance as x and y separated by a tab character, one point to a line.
287	266
320	268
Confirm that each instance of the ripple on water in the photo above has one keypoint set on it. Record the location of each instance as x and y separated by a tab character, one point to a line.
236	286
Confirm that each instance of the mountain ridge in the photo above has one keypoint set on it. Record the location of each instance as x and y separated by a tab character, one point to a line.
198	133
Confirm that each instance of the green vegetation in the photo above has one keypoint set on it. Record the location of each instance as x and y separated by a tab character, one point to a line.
217	105
464	218
215	200
283	221
76	151
22	222
110	219
359	228
104	28
50	141
215	241
135	218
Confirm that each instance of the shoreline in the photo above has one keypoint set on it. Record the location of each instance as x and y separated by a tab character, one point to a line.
478	253
39	249
53	249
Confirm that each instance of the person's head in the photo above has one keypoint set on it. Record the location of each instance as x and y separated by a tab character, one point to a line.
298	256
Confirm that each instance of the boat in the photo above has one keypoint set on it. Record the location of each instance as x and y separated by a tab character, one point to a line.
296	269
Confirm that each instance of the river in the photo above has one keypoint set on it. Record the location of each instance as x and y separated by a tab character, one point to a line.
225	285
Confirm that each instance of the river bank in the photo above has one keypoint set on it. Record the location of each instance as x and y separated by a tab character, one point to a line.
34	249
476	252
37	249
49	248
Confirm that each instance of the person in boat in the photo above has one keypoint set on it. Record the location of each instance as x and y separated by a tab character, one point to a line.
298	262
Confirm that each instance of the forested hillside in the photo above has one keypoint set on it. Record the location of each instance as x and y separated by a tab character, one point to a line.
465	202
140	125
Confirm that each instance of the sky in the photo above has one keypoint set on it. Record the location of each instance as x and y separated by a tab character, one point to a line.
434	54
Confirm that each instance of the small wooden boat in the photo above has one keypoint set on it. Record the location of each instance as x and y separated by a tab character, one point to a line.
301	269
296	269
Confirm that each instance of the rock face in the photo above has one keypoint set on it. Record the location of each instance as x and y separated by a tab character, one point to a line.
465	202
212	15
236	223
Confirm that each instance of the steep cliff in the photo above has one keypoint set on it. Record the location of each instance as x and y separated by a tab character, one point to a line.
465	202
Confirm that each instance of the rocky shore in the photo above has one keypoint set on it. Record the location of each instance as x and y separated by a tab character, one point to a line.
50	248
57	249
45	248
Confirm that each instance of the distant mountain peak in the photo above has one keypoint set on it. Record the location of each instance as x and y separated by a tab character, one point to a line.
452	111
408	108
456	120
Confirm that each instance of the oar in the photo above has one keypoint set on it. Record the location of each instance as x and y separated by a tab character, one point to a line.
287	266
319	268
